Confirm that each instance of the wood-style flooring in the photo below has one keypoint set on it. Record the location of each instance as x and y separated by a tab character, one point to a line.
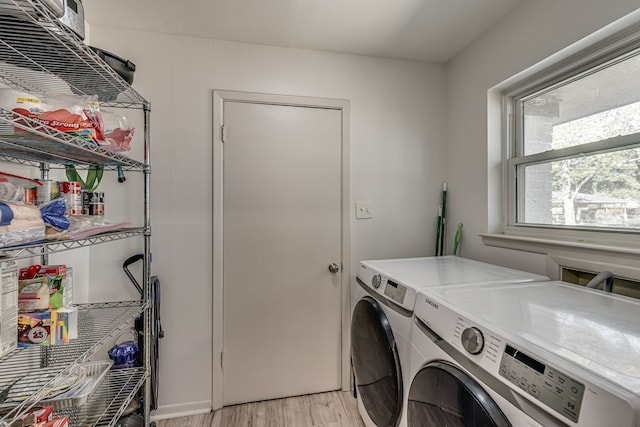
332	409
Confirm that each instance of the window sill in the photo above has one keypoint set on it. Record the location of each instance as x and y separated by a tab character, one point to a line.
547	245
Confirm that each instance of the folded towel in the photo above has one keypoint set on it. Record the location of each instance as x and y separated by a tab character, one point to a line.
10	211
20	223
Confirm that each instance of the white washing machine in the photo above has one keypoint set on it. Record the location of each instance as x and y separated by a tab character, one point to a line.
384	297
547	353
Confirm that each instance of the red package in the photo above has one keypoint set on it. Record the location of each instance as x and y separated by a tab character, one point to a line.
78	116
53	270
118	140
56	422
62	120
117	132
37	416
37	270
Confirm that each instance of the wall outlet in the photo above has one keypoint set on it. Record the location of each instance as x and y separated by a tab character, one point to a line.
363	210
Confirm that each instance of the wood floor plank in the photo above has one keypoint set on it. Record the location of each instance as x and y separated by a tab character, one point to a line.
203	420
349	403
332	409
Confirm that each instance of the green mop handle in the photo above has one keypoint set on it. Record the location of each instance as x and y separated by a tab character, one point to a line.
438	230
457	238
443	224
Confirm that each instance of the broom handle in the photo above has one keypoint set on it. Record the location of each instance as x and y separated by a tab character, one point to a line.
438	231
443	224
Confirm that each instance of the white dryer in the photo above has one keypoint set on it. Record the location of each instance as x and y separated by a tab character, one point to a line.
547	353
384	297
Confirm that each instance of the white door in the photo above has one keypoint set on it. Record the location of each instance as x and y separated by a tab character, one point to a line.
281	231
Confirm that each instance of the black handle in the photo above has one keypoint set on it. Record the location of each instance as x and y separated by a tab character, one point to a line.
125	267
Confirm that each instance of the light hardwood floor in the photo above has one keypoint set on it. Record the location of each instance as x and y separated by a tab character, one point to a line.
332	409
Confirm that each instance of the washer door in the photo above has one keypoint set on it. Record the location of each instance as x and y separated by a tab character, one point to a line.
443	395
376	363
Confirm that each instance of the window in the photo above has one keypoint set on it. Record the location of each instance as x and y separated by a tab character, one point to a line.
574	144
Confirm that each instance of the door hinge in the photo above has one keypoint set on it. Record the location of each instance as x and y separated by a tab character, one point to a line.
221	360
223	133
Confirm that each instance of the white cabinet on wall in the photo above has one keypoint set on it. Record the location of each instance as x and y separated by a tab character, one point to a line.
40	55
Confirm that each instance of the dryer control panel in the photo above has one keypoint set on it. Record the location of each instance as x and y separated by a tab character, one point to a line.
549	385
391	289
520	358
395	291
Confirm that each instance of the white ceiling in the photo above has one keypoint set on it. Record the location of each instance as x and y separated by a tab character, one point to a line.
422	30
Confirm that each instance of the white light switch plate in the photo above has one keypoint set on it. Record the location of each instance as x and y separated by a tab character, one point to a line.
363	210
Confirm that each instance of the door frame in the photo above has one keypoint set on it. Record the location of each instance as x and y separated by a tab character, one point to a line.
344	106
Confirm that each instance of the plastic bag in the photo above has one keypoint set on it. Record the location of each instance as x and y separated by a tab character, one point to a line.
117	132
53	214
83	226
29	105
79	116
21	223
12	187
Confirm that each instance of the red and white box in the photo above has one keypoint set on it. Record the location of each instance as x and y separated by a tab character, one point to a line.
56	422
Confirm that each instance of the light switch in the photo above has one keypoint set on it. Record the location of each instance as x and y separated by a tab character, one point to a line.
363	210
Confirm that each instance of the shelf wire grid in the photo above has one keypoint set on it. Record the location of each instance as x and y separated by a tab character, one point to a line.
43	366
49	247
29	140
109	401
42	55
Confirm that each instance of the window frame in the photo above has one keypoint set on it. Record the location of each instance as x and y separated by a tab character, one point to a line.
607	52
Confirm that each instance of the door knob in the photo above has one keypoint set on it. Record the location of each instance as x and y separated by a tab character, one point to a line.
333	267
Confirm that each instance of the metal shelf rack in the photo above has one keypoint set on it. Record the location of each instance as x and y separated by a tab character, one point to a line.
97	325
119	388
43	56
47	248
39	55
34	143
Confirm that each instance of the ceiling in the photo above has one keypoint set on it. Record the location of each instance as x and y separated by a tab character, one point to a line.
420	30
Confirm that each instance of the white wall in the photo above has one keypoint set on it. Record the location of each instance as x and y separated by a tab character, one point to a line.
533	31
397	140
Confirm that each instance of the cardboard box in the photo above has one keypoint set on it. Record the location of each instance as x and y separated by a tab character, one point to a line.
67	282
41	415
60	279
33	294
36	328
8	306
53	270
51	327
66	325
56	422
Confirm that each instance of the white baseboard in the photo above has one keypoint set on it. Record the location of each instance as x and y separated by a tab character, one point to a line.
181	410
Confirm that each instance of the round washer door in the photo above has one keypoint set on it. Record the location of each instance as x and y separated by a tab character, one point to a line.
443	395
376	364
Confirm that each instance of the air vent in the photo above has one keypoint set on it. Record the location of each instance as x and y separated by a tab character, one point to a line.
622	286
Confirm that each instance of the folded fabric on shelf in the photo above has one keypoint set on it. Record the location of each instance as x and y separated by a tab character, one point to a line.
20	223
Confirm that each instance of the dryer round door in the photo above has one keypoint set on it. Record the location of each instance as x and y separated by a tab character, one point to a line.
376	364
443	395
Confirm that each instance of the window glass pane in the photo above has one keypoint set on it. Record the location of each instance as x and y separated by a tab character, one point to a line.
597	106
598	190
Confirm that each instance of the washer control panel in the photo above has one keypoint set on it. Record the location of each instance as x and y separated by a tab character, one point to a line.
550	386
